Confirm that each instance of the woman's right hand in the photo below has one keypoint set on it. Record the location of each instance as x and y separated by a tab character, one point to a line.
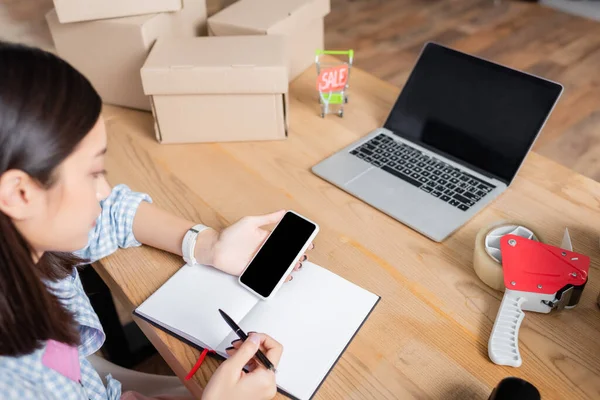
231	382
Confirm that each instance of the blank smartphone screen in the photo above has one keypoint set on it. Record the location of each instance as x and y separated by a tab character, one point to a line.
277	254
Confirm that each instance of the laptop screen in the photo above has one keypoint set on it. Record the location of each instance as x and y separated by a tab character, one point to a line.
477	113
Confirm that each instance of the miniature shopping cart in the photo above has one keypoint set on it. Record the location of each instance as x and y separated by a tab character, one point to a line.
332	82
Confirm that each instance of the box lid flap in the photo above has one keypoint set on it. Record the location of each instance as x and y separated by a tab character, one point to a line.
137	21
228	64
69	11
270	16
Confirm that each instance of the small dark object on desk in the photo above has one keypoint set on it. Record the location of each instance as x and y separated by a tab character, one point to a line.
514	389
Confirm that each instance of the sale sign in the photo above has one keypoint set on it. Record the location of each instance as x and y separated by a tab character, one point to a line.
333	79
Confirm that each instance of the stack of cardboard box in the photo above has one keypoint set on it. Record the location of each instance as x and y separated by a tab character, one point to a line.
108	41
299	21
200	89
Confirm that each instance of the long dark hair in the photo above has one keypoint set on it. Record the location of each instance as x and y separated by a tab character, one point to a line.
46	109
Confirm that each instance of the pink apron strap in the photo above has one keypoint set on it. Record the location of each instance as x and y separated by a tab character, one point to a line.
62	358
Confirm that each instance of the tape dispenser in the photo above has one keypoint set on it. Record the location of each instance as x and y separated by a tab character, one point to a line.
537	277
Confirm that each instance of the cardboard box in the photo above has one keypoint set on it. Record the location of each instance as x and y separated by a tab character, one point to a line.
301	21
190	20
213	7
111	52
218	89
88	10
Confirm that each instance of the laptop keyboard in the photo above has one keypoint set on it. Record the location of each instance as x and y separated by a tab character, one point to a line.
429	174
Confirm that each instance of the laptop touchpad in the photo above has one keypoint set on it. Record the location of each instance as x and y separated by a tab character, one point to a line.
381	186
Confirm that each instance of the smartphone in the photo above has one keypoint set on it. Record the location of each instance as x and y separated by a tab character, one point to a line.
278	255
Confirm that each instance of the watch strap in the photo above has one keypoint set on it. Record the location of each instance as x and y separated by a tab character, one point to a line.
188	245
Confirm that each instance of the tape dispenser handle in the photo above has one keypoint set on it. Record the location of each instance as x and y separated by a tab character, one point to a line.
503	346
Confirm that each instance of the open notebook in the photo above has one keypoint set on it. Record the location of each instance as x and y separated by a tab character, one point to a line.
315	317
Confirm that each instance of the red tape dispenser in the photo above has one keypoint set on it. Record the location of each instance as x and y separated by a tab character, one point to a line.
538	277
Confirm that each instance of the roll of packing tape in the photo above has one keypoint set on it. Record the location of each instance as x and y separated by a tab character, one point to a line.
487	260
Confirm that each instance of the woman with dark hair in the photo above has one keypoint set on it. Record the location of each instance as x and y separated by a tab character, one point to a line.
56	212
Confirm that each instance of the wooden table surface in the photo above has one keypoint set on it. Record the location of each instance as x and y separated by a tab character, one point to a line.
428	336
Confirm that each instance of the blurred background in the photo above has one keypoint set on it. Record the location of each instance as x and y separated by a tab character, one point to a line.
556	39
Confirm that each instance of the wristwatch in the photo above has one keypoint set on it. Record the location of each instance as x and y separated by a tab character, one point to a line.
188	246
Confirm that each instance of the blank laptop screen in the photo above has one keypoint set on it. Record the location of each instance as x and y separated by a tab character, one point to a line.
477	113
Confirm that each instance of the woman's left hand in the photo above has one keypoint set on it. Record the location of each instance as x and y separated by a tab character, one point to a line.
235	246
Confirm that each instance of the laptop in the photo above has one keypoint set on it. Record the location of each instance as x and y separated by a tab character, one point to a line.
453	142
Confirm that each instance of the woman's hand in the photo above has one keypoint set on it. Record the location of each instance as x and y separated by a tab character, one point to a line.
234	247
231	382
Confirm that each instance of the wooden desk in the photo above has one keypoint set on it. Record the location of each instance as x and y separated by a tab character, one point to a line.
428	336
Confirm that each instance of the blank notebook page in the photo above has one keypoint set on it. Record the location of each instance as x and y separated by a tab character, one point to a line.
188	304
313	317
